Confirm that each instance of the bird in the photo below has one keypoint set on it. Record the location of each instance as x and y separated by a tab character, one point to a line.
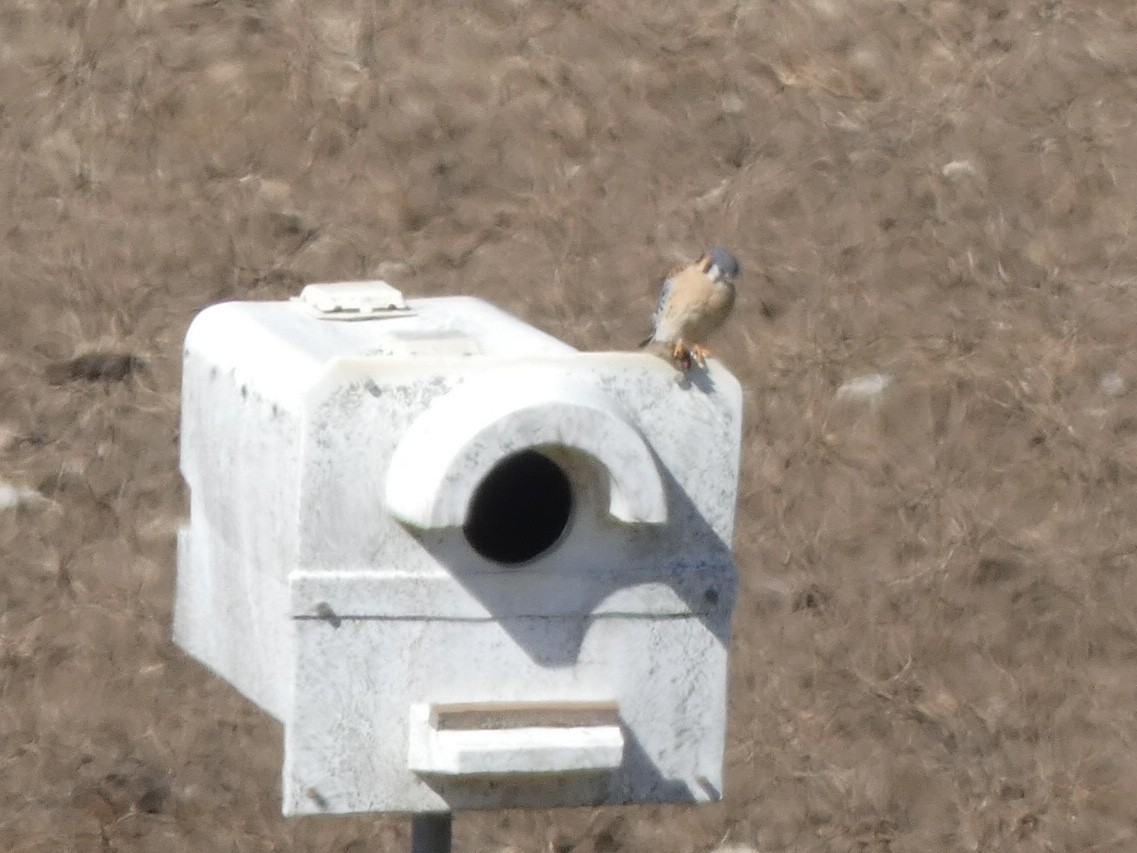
693	302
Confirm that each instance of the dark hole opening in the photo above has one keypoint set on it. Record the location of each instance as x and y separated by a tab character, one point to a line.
520	509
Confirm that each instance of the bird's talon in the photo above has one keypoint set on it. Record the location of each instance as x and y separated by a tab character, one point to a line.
682	354
701	354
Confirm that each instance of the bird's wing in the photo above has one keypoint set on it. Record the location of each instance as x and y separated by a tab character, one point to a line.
661	305
659	315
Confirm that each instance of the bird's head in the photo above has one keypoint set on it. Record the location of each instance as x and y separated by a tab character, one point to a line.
721	265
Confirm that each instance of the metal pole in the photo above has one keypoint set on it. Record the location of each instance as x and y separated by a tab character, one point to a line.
430	833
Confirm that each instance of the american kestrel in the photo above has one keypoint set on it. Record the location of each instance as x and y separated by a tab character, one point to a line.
694	301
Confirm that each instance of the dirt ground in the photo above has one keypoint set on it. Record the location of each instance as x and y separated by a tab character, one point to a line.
933	200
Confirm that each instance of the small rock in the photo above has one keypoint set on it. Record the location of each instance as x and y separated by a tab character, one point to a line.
20	497
1113	384
959	169
868	387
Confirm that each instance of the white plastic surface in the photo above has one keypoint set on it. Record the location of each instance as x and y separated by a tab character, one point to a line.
353	300
502	752
450	448
325	573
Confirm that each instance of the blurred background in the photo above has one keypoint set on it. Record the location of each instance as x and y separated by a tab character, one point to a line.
933	202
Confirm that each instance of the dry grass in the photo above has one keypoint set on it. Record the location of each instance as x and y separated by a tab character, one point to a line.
936	646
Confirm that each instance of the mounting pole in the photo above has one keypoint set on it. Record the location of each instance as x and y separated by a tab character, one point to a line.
431	833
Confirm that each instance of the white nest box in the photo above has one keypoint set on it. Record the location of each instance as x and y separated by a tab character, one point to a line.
465	565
